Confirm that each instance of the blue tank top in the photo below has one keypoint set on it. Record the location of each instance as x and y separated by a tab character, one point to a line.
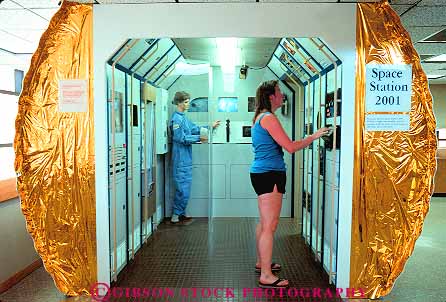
268	155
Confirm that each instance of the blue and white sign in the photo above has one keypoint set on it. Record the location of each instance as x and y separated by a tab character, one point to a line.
388	88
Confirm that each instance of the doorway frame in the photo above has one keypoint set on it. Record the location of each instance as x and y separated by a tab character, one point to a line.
114	23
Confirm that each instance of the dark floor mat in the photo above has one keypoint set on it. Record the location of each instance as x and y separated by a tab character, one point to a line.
198	262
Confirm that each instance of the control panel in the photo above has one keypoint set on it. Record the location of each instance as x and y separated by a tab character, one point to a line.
329	138
330	101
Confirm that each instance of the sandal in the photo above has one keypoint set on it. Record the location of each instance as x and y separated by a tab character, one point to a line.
275	284
275	267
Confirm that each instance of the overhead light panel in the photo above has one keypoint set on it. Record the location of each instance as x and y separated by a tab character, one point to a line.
437	59
438	37
228	54
434	76
183	68
423	58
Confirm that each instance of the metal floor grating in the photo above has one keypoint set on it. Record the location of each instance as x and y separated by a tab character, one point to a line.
221	256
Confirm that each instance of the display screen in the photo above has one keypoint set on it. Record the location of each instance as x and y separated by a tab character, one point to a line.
246	131
227	104
118	107
251	104
135	116
199	105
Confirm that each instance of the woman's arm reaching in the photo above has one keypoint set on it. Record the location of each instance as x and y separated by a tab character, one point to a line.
275	129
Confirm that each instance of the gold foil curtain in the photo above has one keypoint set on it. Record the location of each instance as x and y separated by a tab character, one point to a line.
55	153
393	177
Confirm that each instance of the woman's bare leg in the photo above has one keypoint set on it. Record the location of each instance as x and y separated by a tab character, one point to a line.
258	231
270	205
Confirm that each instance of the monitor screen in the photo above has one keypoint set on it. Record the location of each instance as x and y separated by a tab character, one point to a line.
227	104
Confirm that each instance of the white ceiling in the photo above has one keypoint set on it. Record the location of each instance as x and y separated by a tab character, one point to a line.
22	23
254	52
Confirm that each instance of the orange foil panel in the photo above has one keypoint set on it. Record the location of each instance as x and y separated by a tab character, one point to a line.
54	148
394	171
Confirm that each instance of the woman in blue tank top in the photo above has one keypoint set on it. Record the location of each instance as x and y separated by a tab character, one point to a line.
268	175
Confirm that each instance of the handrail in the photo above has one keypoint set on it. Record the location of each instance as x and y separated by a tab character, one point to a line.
145	59
166	75
154	44
155	69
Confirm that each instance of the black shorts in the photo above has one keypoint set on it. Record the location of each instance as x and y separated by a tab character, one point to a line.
264	182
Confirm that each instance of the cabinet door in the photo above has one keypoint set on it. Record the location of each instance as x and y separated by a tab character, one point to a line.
161	120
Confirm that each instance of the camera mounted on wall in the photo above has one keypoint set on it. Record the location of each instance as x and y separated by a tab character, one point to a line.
243	72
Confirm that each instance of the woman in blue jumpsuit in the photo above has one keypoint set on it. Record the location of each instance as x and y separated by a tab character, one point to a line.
184	134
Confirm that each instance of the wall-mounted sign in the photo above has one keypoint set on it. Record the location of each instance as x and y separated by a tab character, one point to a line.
388	89
387	122
73	95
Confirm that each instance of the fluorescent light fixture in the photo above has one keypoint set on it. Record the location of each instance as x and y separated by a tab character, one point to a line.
183	68
228	54
441	133
226	43
434	76
438	37
440	58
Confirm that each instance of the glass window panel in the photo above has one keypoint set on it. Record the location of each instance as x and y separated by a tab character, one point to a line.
311	48
7	163
9	105
199	105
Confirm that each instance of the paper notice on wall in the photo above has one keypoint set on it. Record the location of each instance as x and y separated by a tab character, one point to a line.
73	96
387	122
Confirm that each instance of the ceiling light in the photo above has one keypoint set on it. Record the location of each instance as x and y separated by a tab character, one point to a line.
425	57
438	37
440	58
434	76
226	43
183	68
228	54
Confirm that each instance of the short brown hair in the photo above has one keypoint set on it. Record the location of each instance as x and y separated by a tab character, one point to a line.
180	96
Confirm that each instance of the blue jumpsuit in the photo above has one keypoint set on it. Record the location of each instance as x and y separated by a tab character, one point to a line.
184	134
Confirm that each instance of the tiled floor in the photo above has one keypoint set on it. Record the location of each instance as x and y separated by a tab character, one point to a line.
424	275
194	256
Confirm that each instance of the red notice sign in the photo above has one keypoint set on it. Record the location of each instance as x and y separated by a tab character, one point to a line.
73	95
